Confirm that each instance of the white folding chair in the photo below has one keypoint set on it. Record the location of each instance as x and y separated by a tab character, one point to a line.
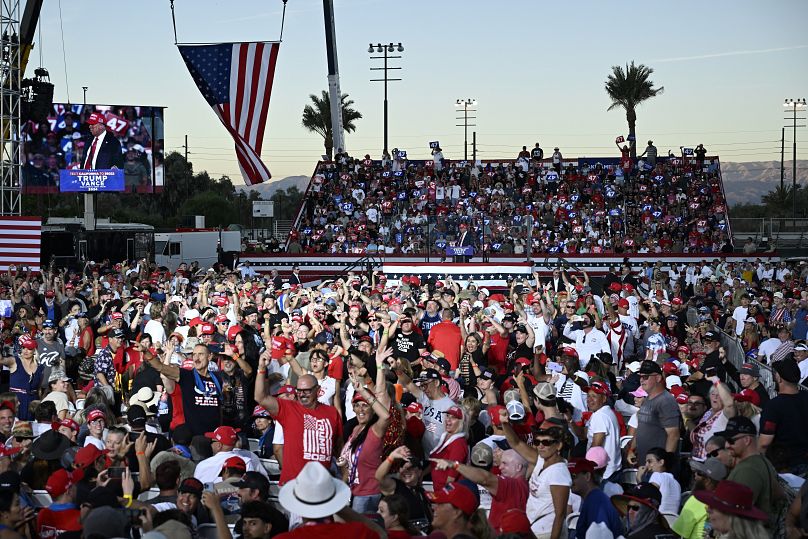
147	495
254	444
271	466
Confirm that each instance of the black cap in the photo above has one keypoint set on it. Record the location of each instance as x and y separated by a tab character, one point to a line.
510	317
711	336
650	367
9	482
117	333
521	328
254	480
738	425
487	374
429	374
247	311
750	369
646	491
444	364
136	415
324	337
192	485
787	369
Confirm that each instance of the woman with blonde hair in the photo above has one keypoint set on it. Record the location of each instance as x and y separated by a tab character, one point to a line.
746	403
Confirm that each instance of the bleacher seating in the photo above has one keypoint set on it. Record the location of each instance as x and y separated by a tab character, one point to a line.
363	207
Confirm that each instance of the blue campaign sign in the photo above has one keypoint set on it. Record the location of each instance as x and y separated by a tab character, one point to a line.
466	250
91	181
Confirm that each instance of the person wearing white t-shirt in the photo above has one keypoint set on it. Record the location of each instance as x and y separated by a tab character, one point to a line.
589	341
603	430
657	464
740	313
549	485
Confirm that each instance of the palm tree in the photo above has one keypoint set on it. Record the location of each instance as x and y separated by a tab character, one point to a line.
317	118
628	89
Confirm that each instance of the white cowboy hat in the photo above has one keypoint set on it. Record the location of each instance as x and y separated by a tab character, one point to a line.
314	493
146	398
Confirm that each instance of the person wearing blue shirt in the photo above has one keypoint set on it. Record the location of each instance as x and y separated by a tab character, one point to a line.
596	506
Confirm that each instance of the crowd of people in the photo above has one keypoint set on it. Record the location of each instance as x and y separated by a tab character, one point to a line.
553	205
216	403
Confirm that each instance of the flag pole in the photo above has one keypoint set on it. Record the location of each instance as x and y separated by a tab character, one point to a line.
174	21
283	18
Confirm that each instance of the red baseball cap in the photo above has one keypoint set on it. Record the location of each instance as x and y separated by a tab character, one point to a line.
9	451
747	395
96	118
569	351
285	390
233	331
87	455
116	315
677	301
623	303
235	463
49	293
69	423
96	414
220	301
670	368
493	413
577	465
27	342
455	411
60	481
224	435
415	408
457	495
600	388
207	329
221	318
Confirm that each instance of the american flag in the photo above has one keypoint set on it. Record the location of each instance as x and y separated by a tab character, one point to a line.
20	242
236	81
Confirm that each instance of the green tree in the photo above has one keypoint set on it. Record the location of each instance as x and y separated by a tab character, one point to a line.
317	118
627	89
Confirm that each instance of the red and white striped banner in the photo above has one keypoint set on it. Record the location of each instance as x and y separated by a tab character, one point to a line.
20	239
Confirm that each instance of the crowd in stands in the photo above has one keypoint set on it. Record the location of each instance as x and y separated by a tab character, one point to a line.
214	403
394	206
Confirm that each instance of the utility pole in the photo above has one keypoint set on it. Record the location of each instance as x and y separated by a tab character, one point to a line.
474	147
465	104
386	49
334	93
795	104
185	147
782	158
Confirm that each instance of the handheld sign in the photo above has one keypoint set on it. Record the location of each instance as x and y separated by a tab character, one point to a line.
91	181
687	151
620	139
434	145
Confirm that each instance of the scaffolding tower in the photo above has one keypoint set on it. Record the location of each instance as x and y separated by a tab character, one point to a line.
10	108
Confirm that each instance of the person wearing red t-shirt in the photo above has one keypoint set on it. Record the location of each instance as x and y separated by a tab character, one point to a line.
63	514
509	489
312	432
446	337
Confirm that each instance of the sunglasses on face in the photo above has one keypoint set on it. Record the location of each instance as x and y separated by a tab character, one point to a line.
546	442
633	507
714	453
305	389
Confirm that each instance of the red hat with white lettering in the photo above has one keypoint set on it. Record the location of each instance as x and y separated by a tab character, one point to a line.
96	118
224	435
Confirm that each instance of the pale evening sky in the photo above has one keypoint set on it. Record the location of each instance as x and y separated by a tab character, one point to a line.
536	69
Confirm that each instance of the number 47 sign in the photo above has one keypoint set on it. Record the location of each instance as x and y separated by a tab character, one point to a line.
620	139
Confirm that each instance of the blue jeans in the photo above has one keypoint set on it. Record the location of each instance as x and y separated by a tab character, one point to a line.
365	505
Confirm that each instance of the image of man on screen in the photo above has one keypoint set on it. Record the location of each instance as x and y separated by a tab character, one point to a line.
102	148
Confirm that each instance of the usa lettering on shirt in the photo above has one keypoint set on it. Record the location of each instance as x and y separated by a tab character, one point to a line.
432	417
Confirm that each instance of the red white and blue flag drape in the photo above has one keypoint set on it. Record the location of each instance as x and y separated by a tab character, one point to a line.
236	81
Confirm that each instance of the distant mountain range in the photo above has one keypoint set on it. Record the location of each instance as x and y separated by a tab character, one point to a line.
268	189
744	183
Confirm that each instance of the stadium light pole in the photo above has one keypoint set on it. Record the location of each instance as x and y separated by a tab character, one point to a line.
388	51
465	104
794	105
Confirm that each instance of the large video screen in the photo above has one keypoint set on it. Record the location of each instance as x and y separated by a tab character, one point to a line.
63	142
